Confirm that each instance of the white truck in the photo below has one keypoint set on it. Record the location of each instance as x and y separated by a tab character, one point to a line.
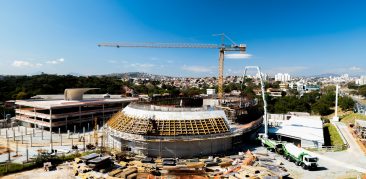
299	156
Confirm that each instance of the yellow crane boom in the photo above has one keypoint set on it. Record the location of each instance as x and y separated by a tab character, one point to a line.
222	49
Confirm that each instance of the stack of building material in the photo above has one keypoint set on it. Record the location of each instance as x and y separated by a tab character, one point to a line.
128	171
249	158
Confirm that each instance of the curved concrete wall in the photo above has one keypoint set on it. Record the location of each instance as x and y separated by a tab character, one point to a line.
180	149
76	93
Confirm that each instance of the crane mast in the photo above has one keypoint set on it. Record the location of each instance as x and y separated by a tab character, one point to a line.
222	49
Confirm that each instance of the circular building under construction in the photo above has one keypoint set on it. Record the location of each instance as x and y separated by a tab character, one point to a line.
165	130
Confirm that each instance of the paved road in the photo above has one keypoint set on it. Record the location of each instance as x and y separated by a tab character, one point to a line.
354	148
353	158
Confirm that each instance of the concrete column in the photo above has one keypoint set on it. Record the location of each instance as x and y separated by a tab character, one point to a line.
103	112
34	132
8	149
20	116
59	131
68	134
13	135
42	133
18	128
51	145
6	134
31	141
16	148
79	115
112	144
84	144
35	118
74	129
89	126
60	139
26	131
84	132
21	135
26	152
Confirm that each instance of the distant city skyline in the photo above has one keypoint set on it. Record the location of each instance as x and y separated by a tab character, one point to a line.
301	38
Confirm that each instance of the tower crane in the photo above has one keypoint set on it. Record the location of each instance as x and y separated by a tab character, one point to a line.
222	49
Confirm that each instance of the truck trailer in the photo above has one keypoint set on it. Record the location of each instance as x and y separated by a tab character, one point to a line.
290	152
271	145
299	156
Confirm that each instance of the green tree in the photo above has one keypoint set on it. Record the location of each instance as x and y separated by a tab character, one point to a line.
321	108
22	95
290	103
346	103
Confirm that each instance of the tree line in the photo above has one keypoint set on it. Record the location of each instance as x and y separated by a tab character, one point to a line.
24	87
314	102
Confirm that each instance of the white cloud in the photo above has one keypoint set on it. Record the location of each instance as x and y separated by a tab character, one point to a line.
197	69
22	63
116	62
55	62
354	68
238	56
143	65
170	61
286	69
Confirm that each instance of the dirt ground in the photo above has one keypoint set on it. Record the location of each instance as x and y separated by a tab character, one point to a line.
61	173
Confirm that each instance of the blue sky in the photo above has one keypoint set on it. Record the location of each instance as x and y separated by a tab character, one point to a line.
297	37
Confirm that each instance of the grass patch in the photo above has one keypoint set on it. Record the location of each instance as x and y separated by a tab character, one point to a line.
38	162
350	118
16	167
334	137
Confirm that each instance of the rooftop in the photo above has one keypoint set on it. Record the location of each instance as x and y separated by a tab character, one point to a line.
60	103
301	127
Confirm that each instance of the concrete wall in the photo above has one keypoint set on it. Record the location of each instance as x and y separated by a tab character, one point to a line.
187	149
180	149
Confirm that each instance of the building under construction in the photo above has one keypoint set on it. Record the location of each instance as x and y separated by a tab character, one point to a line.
72	108
178	127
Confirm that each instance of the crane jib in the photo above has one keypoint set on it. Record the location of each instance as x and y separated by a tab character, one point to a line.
241	47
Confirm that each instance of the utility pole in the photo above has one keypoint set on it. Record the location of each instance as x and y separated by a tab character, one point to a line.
335	117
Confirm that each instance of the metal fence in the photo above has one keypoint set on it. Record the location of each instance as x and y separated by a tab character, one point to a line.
330	148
